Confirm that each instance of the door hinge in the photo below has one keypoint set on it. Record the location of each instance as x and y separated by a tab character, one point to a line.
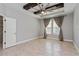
4	42
5	20
5	31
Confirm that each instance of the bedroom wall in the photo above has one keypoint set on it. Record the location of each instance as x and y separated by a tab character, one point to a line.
27	27
76	25
67	27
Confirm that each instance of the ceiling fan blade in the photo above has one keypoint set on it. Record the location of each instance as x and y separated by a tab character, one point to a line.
39	6
53	8
29	6
46	6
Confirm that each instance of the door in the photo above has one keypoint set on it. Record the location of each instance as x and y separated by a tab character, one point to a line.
10	32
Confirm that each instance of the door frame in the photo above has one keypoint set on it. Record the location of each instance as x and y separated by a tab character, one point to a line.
4	33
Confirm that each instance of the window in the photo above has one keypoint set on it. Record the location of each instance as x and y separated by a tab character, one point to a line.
48	29
52	28
55	28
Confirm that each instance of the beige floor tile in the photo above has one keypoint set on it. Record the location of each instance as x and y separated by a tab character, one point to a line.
41	47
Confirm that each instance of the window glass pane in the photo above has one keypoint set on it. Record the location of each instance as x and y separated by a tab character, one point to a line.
48	29
49	25
55	28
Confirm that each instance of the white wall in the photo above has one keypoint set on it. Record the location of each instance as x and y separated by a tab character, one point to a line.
69	7
27	26
68	27
2	10
76	25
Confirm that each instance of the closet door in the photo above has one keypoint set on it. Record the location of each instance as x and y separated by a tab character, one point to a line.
10	32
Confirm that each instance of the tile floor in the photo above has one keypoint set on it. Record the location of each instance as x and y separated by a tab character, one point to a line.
41	47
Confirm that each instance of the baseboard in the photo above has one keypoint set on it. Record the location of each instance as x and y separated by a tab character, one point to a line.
24	41
57	38
68	40
77	48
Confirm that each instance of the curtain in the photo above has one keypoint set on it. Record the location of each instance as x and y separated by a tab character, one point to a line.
59	21
46	22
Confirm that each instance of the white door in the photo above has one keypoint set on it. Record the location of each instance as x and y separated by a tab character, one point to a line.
10	32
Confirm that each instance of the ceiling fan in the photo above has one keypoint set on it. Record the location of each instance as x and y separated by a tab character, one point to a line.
43	7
